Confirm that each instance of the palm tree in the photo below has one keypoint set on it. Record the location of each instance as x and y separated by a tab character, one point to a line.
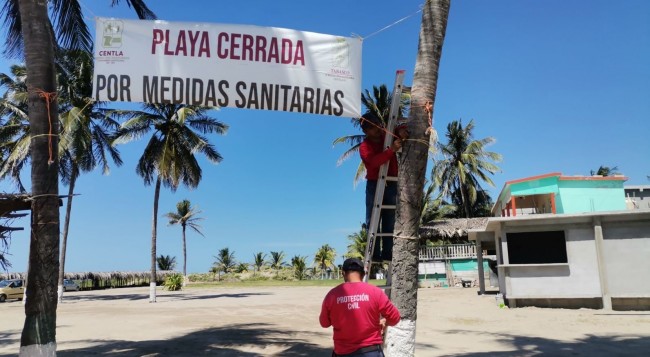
324	258
277	261
358	241
185	215
605	171
29	29
258	260
84	142
166	262
379	104
225	261
71	30
299	266
400	339
169	157
39	331
15	137
86	132
464	164
241	268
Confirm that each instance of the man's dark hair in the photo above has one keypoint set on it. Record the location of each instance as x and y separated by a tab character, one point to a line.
370	119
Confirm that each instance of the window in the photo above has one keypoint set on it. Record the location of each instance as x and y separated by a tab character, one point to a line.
537	247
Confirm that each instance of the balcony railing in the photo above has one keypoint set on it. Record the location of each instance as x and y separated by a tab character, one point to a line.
448	251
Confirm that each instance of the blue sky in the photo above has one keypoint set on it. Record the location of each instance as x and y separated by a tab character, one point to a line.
563	86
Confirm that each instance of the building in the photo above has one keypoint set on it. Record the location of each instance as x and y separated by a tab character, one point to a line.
569	241
452	264
559	194
637	197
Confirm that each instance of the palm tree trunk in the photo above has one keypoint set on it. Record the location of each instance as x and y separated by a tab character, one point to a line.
400	339
184	258
39	332
66	225
154	226
464	197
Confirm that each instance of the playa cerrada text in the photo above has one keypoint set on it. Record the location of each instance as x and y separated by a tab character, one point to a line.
228	45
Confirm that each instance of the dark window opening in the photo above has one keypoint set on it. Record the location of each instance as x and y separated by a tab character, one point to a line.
537	247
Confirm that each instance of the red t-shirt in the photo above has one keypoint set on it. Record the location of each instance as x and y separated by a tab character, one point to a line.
373	156
354	309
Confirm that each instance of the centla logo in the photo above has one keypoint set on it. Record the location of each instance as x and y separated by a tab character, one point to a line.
112	35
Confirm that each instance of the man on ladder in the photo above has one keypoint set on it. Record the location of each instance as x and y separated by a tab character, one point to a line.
373	156
378	153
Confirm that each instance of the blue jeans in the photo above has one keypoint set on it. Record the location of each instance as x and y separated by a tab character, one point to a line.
383	249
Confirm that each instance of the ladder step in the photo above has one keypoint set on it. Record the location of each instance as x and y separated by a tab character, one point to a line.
391	178
388	206
383	234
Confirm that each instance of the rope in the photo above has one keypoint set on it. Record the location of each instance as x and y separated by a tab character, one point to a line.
391	25
49	98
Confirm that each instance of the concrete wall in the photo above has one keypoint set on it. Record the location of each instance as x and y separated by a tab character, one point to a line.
579	196
608	261
535	187
578	278
626	256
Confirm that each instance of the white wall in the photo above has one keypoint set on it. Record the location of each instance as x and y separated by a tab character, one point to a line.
627	258
577	278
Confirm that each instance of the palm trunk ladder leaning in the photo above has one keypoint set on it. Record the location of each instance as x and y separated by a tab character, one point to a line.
373	226
400	339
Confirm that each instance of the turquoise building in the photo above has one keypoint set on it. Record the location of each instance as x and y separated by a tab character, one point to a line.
555	193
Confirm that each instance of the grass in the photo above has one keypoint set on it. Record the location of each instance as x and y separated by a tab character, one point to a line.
263	283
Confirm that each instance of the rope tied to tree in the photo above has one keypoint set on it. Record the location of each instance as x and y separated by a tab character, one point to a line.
49	98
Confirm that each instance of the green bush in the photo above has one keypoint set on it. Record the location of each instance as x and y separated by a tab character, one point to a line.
202	277
174	282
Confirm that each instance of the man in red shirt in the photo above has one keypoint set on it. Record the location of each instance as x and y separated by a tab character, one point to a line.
373	154
358	312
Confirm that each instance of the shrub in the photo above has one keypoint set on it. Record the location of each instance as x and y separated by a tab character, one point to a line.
174	282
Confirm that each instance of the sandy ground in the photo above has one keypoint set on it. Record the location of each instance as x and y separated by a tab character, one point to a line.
283	321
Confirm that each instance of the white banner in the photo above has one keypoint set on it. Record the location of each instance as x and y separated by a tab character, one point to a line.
237	66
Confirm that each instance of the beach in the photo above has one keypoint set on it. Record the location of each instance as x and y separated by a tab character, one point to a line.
283	321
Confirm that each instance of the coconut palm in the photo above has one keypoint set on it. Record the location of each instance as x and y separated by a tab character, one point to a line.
84	141
241	268
400	340
185	216
169	158
464	164
324	258
299	266
259	259
15	137
70	29
225	261
166	262
379	104
86	134
277	260
358	241
39	331
605	171
29	29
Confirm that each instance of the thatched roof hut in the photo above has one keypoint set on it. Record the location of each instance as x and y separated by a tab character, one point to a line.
453	229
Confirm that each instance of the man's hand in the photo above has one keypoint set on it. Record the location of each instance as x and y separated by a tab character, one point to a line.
396	145
382	323
402	132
